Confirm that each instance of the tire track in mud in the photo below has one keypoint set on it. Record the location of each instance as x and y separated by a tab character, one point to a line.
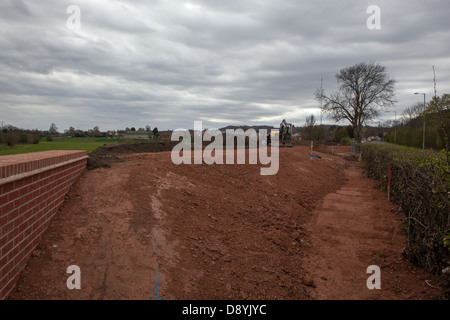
163	246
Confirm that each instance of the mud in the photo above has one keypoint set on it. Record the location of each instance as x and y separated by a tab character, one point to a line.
145	228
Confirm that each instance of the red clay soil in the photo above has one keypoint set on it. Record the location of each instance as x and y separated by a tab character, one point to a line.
146	228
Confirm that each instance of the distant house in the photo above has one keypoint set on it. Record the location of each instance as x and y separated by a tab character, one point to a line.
296	136
165	134
137	135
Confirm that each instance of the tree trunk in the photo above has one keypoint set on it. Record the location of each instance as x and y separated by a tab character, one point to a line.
356	132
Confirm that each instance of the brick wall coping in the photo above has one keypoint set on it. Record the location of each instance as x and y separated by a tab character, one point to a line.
18	166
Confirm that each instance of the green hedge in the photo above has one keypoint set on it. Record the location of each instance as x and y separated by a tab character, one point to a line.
420	184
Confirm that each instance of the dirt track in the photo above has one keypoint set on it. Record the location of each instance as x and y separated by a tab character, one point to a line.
353	228
148	229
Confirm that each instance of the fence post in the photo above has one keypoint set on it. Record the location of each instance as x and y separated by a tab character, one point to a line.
389	184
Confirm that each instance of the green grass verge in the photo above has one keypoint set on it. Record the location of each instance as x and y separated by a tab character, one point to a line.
89	144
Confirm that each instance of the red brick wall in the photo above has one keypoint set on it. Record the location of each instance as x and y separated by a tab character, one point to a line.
32	187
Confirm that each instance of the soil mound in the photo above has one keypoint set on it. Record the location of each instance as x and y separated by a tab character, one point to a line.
104	156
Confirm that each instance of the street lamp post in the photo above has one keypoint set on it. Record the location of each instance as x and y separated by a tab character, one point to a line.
423	138
395	126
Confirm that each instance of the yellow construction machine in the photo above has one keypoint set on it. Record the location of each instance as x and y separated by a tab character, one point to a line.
284	135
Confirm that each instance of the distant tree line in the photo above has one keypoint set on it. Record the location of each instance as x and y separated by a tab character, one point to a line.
11	135
410	127
95	132
330	133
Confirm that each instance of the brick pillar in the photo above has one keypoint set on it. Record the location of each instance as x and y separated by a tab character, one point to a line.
32	187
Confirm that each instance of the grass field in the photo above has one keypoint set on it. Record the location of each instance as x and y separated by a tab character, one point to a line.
89	144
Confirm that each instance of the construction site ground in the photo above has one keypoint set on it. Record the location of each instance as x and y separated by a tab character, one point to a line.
145	228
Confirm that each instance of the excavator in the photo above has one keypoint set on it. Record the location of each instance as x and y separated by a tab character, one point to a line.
285	135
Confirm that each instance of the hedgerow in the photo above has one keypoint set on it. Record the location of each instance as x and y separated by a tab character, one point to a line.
420	185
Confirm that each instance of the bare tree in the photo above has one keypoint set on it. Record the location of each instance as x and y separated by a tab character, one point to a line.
412	112
309	127
364	89
53	129
310	121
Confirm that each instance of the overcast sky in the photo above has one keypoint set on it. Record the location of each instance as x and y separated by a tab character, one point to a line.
166	63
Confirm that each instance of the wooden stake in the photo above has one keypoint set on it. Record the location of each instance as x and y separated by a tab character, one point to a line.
389	184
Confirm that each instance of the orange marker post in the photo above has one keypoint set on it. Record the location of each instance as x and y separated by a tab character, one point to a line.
389	184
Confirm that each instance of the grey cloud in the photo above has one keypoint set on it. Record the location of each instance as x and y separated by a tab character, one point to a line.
168	63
